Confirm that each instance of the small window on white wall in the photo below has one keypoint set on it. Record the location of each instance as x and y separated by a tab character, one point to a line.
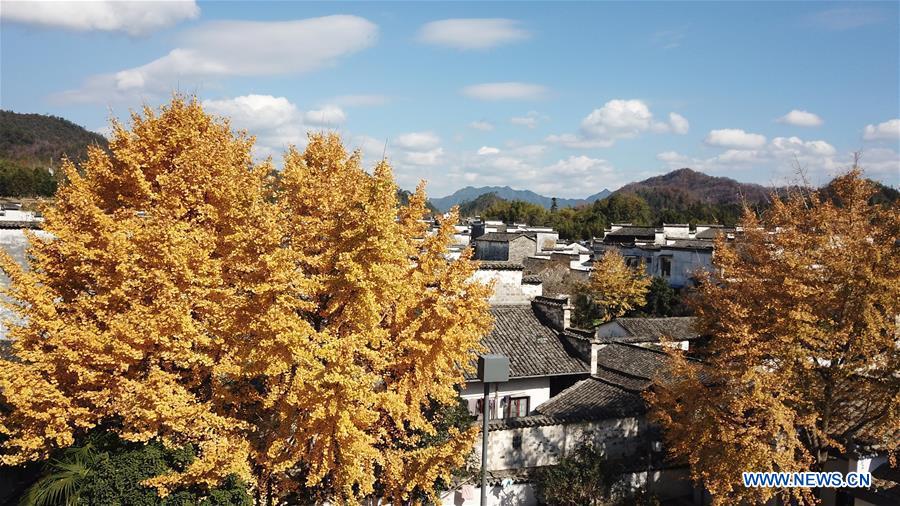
518	406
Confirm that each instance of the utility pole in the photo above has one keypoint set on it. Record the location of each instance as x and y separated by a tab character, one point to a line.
491	369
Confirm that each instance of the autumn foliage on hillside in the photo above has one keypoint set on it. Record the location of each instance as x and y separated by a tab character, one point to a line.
804	351
295	332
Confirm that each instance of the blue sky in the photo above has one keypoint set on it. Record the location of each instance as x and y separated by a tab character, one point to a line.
561	98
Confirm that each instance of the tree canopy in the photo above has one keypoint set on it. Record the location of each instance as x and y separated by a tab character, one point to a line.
801	312
614	288
296	332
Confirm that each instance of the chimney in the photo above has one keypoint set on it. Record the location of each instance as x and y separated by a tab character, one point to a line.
596	346
555	312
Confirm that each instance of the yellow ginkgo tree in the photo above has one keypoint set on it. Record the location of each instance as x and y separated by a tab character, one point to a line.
297	331
802	362
615	288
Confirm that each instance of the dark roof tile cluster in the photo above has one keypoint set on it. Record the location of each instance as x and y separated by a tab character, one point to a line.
632	361
676	327
590	399
712	232
533	348
624	371
17	224
531	279
644	232
506	236
500	266
690	244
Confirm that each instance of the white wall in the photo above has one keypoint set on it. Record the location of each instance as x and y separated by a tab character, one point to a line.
508	287
537	389
517	494
545	445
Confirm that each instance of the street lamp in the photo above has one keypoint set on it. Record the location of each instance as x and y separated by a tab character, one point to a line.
491	369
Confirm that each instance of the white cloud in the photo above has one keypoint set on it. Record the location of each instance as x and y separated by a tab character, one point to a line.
327	116
416	148
530	120
881	162
671	157
505	91
619	119
360	100
794	146
781	155
484	126
487	150
848	18
801	118
529	150
235	48
254	112
578	142
430	157
275	121
417	141
472	33
581	173
889	130
679	123
133	18
734	138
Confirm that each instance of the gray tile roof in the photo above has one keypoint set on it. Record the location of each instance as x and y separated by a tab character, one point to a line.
630	231
631	362
690	244
533	348
676	327
506	236
499	266
624	371
712	232
592	399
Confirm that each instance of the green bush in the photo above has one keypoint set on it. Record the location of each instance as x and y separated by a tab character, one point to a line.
105	470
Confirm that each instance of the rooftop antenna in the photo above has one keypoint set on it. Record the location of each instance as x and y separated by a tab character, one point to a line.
384	151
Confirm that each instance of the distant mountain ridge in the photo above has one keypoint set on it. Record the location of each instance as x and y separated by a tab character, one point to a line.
470	193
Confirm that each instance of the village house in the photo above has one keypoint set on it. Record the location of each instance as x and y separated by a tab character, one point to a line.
512	247
567	387
674	252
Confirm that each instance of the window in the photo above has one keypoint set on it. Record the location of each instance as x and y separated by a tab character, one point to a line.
665	266
518	406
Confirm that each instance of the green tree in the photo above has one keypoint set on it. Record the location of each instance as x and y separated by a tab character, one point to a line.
625	208
107	470
661	300
585	477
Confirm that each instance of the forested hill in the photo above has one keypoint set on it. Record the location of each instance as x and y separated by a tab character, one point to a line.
690	185
685	195
36	139
33	144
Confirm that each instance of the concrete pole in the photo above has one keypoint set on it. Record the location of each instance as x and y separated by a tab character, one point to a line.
484	441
